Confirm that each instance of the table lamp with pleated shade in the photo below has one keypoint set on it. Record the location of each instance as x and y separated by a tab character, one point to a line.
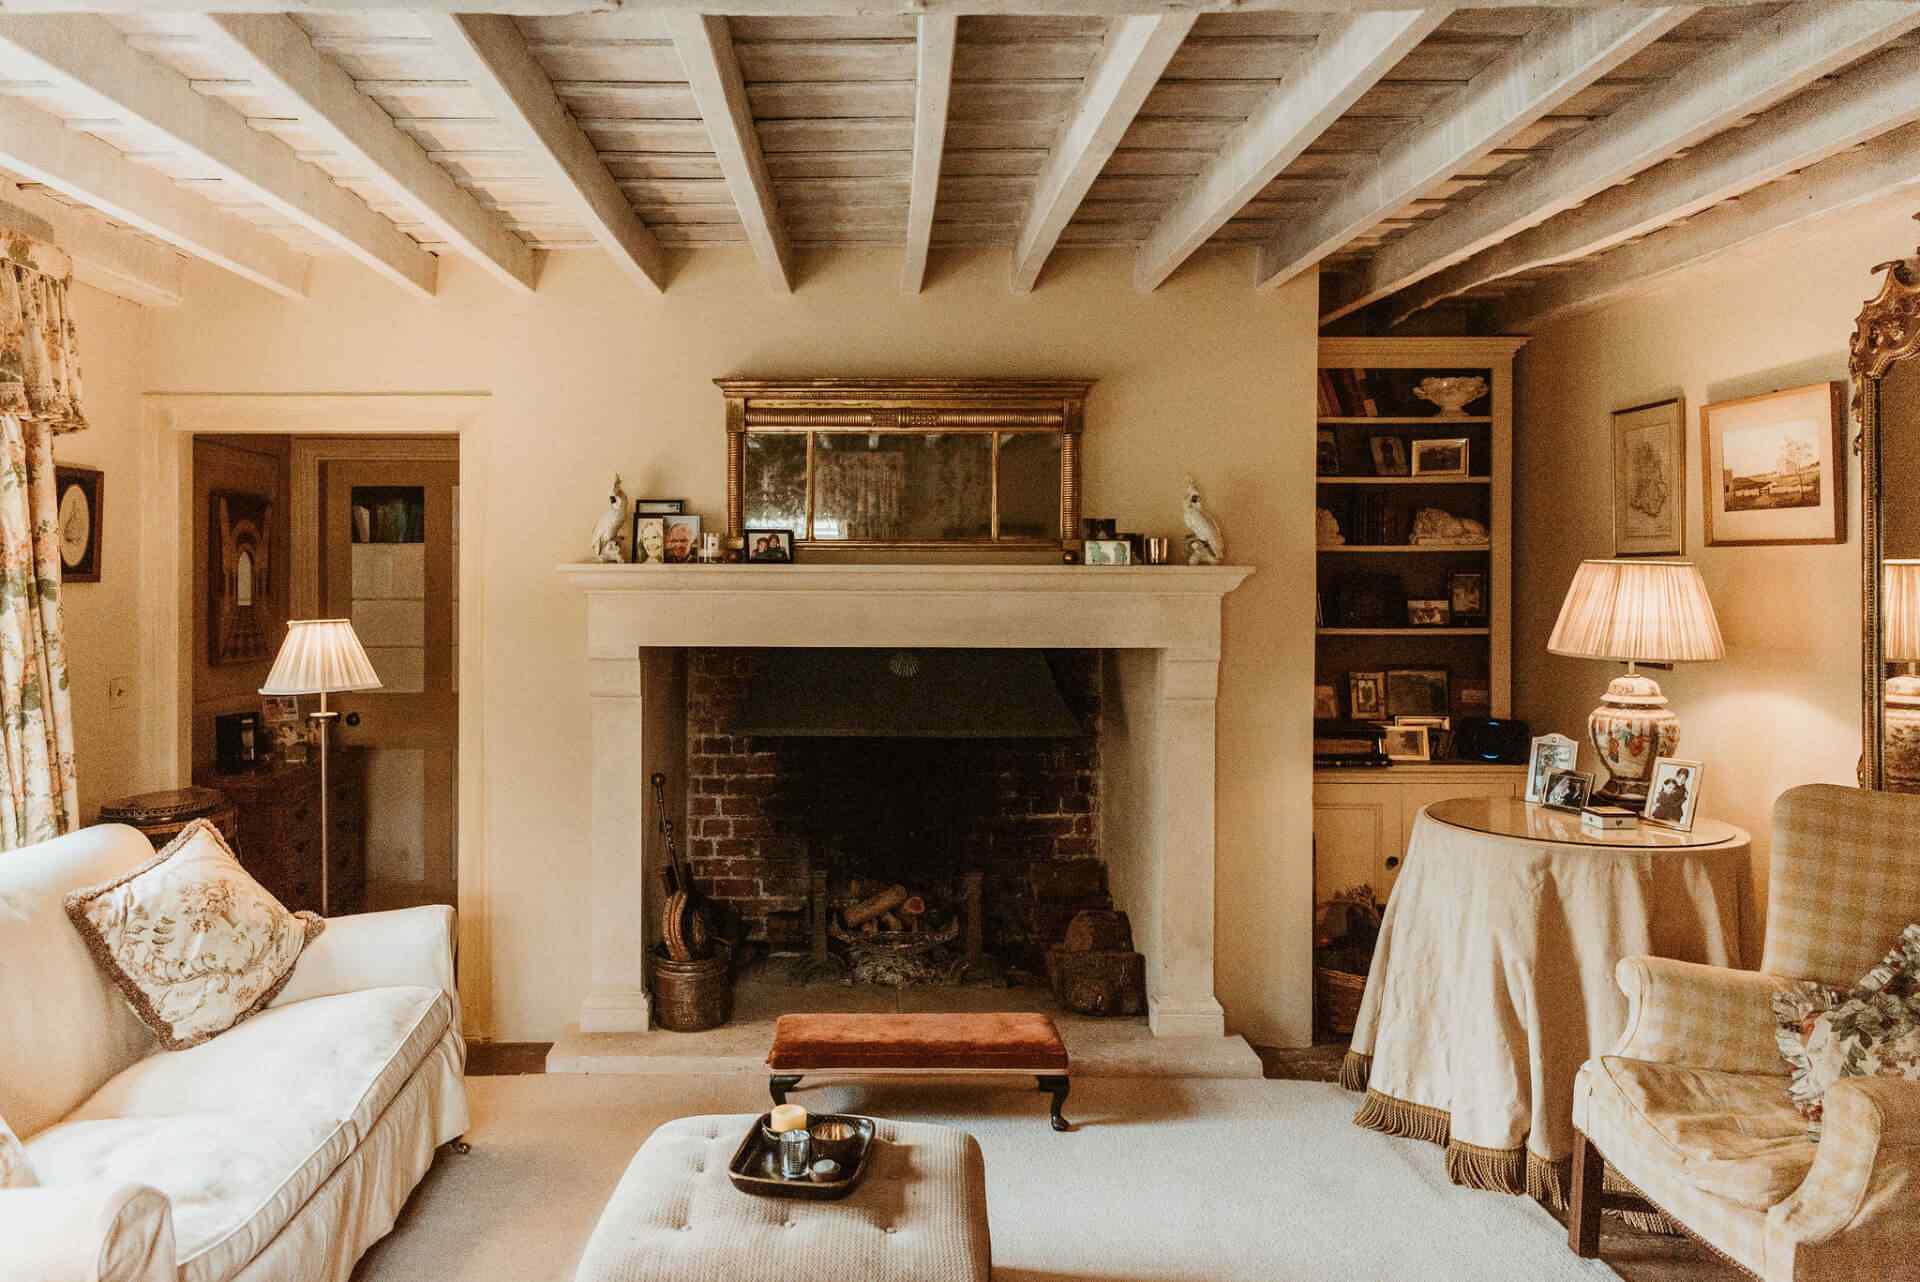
1636	612
1900	616
321	656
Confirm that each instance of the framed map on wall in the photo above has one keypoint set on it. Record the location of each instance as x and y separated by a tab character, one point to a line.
1649	479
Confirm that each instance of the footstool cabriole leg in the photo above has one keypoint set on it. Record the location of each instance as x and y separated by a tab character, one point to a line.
1056	1086
779	1084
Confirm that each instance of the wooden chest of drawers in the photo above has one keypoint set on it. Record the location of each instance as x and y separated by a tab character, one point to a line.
279	828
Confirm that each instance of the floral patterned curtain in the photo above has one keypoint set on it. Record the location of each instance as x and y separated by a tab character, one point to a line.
39	398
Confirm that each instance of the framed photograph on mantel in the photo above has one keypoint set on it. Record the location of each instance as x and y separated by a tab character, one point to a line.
1776	468
1649	480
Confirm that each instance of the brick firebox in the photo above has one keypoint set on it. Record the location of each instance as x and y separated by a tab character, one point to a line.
919	811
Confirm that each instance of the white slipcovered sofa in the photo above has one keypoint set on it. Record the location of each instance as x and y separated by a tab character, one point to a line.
279	1150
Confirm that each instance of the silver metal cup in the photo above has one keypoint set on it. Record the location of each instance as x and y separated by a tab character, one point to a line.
796	1154
1159	549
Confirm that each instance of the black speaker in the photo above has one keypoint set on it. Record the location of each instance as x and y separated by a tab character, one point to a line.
1492	739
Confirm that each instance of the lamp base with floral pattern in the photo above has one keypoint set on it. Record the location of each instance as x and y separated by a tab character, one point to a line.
1632	727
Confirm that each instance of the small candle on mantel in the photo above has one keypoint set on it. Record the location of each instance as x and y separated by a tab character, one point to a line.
787	1117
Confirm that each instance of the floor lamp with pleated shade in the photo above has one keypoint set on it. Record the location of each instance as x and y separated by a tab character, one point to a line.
1900	614
1636	612
321	656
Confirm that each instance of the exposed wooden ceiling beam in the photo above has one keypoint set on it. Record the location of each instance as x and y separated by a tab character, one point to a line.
495	61
1822	122
109	258
1553	62
1888	165
40	147
706	52
823	8
276	54
932	87
89	54
1781	55
1135	55
1351	55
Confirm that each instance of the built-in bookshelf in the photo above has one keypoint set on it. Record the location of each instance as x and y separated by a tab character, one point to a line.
1369	421
1372	420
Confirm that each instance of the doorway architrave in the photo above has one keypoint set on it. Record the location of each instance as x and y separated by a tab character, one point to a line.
165	752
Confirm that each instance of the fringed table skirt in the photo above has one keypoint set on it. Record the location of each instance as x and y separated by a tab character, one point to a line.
1493	979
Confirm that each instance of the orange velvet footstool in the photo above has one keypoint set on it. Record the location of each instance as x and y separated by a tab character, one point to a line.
919	1045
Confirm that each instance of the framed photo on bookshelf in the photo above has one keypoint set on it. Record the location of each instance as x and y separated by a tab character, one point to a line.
1367	696
1446	457
1389	455
1327	453
1418	692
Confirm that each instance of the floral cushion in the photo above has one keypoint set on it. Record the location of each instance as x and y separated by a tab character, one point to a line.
194	943
1871	1031
14	1171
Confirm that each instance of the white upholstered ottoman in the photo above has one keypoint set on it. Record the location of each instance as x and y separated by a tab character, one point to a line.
918	1215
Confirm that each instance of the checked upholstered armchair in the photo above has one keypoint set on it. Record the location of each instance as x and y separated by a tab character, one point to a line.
1691	1107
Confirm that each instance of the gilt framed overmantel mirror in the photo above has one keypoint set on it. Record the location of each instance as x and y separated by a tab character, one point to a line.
1885	361
952	465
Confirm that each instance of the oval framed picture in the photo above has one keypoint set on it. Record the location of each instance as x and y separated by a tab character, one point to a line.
78	494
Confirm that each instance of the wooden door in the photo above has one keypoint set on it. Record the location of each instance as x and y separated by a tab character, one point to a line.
389	530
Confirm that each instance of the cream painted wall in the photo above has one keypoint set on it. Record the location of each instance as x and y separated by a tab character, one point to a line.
1784	707
592	376
103	634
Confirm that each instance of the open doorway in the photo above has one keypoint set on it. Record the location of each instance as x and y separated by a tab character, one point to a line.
359	528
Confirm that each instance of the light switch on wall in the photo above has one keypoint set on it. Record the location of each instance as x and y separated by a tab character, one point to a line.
119	693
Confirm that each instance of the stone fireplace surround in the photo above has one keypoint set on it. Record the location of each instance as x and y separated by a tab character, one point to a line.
1162	625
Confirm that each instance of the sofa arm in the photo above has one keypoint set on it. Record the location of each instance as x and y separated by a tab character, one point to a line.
406	947
1857	1214
1699	1016
95	1232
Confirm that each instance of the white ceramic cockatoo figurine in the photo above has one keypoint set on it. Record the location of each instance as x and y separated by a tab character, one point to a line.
606	535
1206	545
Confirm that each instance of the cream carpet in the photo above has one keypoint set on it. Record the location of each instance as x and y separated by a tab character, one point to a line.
1166	1180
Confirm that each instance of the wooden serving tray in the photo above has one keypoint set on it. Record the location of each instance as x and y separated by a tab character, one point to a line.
755	1167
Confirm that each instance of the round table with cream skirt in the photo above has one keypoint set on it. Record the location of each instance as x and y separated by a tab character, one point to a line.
1493	978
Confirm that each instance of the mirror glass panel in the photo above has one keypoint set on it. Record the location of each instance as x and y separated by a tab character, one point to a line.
1899	424
775	485
902	487
1030	485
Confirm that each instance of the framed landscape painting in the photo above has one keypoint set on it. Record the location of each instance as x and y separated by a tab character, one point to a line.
1776	468
1649	480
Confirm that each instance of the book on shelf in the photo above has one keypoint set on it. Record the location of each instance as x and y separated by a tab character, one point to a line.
1348	393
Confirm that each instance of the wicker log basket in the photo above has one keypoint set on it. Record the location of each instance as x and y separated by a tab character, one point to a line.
1345	929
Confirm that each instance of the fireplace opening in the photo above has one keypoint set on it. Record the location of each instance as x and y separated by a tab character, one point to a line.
899	817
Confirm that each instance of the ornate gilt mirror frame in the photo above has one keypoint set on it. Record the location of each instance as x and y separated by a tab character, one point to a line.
1887	331
998	409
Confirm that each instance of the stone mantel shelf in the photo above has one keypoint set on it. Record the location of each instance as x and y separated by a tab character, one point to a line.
1158	580
1163	624
1174	608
